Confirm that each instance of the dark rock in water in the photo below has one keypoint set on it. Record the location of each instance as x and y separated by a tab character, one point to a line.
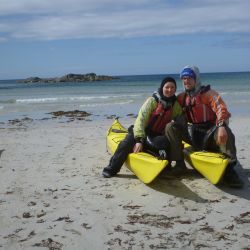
90	77
33	79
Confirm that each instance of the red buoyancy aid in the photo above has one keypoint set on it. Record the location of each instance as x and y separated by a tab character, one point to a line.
159	119
196	111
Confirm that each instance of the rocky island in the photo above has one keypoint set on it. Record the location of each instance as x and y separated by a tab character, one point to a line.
90	77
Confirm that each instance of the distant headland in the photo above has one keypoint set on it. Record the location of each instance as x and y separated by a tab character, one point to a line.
90	77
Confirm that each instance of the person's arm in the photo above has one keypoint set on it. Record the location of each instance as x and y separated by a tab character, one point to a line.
141	122
222	136
138	147
177	110
222	116
218	106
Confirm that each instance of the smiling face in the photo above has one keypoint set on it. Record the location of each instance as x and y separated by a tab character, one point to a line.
169	89
188	82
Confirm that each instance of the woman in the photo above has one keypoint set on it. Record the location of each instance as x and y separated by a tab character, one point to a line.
158	111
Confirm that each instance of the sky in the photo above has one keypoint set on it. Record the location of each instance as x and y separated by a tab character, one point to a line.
48	38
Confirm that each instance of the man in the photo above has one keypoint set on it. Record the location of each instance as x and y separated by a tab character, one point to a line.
208	117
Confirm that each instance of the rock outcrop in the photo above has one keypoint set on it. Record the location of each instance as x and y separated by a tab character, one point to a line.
90	77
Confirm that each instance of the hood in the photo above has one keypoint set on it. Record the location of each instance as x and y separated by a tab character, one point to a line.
197	76
167	102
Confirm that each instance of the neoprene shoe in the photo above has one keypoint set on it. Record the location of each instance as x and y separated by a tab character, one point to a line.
108	173
179	168
232	179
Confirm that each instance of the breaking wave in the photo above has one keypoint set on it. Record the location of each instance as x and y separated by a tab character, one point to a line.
70	99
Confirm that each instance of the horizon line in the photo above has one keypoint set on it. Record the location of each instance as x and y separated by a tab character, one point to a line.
153	74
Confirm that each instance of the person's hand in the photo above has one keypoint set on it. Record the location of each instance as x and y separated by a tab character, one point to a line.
138	147
222	136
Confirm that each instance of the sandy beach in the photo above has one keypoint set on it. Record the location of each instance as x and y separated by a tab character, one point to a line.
53	195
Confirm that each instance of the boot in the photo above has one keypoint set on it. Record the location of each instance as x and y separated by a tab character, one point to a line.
168	168
108	172
232	179
179	168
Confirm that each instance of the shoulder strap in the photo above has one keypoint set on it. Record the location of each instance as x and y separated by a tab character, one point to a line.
204	89
156	97
184	100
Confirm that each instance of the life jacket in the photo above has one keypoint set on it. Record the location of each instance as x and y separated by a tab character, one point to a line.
196	111
158	119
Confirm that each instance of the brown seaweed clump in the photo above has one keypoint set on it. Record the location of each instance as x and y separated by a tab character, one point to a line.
75	114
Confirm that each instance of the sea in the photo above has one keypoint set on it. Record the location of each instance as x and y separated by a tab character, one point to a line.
118	97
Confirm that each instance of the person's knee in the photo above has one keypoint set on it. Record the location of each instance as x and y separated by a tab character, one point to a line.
172	131
127	144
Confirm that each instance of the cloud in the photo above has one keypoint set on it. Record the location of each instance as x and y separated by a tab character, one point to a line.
236	41
64	19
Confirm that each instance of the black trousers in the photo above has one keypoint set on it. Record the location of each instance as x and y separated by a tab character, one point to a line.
123	150
174	133
229	149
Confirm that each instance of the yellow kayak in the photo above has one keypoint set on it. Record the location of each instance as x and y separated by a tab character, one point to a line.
145	166
211	165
